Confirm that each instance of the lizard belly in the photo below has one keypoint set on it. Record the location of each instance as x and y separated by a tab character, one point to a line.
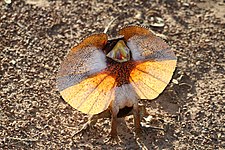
125	95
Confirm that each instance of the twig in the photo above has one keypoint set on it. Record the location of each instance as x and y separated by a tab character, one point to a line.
106	29
179	52
20	139
189	85
71	33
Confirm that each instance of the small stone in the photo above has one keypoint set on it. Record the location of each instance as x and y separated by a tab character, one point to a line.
186	4
175	81
138	15
157	22
148	119
13	62
8	1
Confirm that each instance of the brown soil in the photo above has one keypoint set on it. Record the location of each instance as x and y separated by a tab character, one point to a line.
36	35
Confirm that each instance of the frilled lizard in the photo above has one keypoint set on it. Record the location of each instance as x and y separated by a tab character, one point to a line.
107	78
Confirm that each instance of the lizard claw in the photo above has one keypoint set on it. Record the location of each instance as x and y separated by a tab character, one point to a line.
112	139
86	127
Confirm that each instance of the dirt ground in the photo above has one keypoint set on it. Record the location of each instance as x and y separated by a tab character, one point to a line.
36	35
